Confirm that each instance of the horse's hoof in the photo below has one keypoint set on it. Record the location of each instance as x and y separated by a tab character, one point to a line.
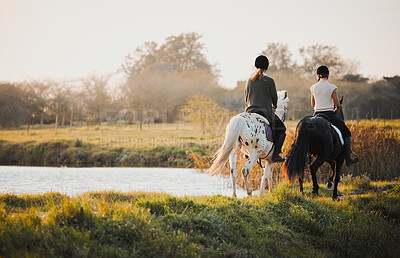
313	194
329	185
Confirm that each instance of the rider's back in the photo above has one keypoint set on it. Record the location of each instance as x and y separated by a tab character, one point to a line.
260	96
322	92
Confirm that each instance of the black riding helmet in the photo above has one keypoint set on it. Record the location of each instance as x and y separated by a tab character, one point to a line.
262	62
323	71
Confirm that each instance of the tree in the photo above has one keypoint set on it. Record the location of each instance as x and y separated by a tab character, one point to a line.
162	76
279	56
97	96
38	92
203	112
354	78
144	56
59	98
178	53
12	106
184	52
316	55
393	82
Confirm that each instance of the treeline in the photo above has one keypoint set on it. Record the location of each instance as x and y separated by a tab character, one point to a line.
158	79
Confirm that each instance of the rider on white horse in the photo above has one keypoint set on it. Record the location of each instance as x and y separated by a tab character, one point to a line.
261	98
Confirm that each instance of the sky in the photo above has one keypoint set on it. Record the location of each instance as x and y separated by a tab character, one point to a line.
62	39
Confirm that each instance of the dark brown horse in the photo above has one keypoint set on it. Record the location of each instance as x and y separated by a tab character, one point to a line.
315	136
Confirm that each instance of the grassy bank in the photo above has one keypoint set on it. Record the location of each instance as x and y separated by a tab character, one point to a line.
77	153
284	223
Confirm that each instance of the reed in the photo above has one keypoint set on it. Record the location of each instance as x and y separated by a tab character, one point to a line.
377	143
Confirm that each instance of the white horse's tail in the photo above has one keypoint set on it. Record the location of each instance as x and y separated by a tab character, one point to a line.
231	138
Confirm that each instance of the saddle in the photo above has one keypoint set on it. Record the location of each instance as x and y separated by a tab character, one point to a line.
339	133
268	129
268	132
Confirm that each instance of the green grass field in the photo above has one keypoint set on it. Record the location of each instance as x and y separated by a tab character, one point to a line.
281	224
112	136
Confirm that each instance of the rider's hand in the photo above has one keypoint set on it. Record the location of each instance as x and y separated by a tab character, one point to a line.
336	110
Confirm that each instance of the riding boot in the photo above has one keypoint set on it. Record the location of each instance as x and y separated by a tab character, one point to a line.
347	149
277	150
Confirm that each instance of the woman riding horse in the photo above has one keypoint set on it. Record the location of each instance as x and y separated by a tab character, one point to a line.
325	102
261	98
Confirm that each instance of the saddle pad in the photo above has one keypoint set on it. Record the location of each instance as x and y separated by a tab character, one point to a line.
268	131
339	133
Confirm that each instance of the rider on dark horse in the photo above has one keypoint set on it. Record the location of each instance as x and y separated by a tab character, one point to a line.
261	98
325	101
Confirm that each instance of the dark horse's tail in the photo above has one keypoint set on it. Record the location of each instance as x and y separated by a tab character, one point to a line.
296	158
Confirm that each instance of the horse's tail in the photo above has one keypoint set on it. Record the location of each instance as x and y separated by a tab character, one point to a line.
296	157
231	138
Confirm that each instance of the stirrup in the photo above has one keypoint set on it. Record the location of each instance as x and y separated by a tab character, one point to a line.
350	161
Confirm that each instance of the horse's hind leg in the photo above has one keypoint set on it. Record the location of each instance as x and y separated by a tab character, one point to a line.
314	168
232	164
301	184
339	163
246	172
267	176
329	184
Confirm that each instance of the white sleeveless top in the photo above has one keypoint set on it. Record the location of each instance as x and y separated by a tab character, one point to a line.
322	92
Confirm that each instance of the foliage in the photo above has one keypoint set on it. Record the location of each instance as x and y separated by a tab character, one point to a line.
158	77
317	55
70	154
205	113
279	57
104	224
12	110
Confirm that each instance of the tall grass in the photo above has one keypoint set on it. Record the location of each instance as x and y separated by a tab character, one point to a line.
376	142
283	224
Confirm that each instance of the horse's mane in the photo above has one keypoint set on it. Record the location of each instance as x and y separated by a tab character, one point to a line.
283	102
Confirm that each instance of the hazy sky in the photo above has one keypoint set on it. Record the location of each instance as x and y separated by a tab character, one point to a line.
71	38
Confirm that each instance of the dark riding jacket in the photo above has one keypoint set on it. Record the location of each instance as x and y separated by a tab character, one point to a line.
260	97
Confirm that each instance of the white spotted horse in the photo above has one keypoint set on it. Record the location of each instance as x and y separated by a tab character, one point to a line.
247	133
316	136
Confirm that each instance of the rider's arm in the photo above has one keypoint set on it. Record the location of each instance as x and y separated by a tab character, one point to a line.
312	101
335	99
246	94
274	95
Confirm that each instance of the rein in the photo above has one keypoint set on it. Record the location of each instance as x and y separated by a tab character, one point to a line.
269	152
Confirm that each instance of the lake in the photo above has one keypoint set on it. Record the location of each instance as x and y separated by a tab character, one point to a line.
73	181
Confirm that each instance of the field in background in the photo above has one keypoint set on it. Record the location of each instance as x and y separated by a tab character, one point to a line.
151	135
377	142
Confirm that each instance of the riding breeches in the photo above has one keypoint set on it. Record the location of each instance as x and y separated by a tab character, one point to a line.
336	121
279	127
